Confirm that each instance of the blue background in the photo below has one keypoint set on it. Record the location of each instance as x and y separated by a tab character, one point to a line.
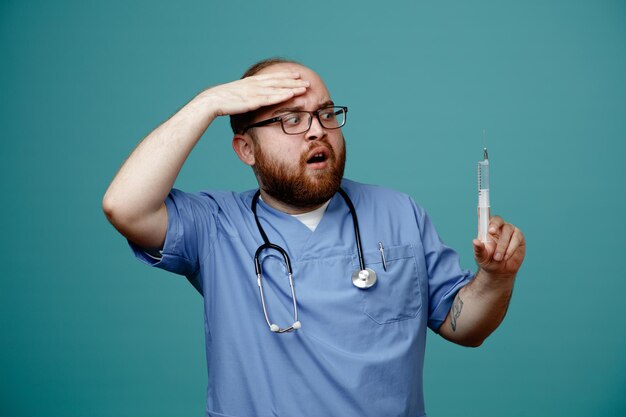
86	330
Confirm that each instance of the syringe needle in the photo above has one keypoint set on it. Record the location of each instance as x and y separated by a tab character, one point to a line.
485	138
486	156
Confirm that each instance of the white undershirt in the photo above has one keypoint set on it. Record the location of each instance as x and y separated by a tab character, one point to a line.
312	218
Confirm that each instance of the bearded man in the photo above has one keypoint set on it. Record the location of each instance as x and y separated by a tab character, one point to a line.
317	289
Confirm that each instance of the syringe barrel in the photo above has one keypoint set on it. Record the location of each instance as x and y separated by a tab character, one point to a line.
483	198
483	175
484	204
483	183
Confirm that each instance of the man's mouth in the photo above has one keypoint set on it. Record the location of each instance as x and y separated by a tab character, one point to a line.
318	157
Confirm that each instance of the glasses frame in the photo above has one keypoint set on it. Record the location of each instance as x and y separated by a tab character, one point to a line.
311	113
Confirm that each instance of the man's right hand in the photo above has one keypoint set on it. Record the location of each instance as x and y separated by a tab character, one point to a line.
134	202
253	92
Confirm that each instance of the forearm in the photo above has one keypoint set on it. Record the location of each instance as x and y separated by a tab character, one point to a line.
478	309
141	185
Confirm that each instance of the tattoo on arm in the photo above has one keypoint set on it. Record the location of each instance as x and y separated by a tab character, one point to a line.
457	306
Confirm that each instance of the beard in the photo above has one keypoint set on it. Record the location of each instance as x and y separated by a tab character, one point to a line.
300	187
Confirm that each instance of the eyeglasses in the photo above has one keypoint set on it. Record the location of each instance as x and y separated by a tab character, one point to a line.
297	122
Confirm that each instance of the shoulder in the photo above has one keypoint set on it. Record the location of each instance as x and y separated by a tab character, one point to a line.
373	193
219	200
356	188
382	199
220	211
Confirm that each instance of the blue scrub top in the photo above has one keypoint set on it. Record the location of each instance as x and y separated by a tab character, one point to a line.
359	352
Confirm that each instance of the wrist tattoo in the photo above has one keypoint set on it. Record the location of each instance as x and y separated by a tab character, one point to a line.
457	306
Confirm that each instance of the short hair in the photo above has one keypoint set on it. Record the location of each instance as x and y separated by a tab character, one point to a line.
238	122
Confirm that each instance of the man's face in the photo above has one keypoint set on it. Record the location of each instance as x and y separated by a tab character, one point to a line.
302	170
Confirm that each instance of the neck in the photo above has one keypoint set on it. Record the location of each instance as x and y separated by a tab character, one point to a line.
287	208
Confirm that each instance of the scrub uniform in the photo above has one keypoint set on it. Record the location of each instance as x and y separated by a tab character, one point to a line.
359	352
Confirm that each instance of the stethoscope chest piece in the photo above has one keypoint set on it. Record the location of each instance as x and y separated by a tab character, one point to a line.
364	278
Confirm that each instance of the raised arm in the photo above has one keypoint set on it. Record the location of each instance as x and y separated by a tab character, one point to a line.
480	306
134	202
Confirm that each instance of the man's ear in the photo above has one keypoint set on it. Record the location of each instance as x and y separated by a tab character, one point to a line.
244	148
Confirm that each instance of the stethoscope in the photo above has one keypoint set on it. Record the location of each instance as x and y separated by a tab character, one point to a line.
362	278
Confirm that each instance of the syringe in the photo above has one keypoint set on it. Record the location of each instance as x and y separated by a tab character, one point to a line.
483	199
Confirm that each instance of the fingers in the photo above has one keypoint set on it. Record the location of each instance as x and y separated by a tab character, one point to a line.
278	74
273	96
278	91
495	223
501	232
505	253
277	80
253	92
481	254
506	231
507	237
283	83
517	240
276	87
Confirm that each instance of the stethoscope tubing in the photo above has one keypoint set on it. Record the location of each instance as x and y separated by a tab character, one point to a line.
268	245
355	222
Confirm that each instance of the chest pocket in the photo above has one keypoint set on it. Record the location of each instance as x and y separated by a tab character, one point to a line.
396	294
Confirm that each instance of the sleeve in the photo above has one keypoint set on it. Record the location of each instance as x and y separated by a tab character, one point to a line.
191	230
445	276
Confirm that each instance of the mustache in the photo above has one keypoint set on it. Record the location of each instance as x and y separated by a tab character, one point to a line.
319	144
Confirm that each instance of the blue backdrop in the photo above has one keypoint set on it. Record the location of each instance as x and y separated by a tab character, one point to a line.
85	330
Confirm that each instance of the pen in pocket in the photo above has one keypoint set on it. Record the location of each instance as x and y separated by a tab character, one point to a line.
382	255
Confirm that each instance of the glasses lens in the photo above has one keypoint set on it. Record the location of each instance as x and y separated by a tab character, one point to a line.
332	117
300	121
296	122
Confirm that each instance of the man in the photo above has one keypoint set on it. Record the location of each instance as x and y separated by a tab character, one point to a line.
333	348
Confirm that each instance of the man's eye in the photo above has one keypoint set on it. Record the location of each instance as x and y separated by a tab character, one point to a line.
328	115
293	119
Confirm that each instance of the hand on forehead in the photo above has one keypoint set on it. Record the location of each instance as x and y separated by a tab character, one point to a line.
317	93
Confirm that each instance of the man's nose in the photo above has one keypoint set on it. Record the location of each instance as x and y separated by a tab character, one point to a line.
316	131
